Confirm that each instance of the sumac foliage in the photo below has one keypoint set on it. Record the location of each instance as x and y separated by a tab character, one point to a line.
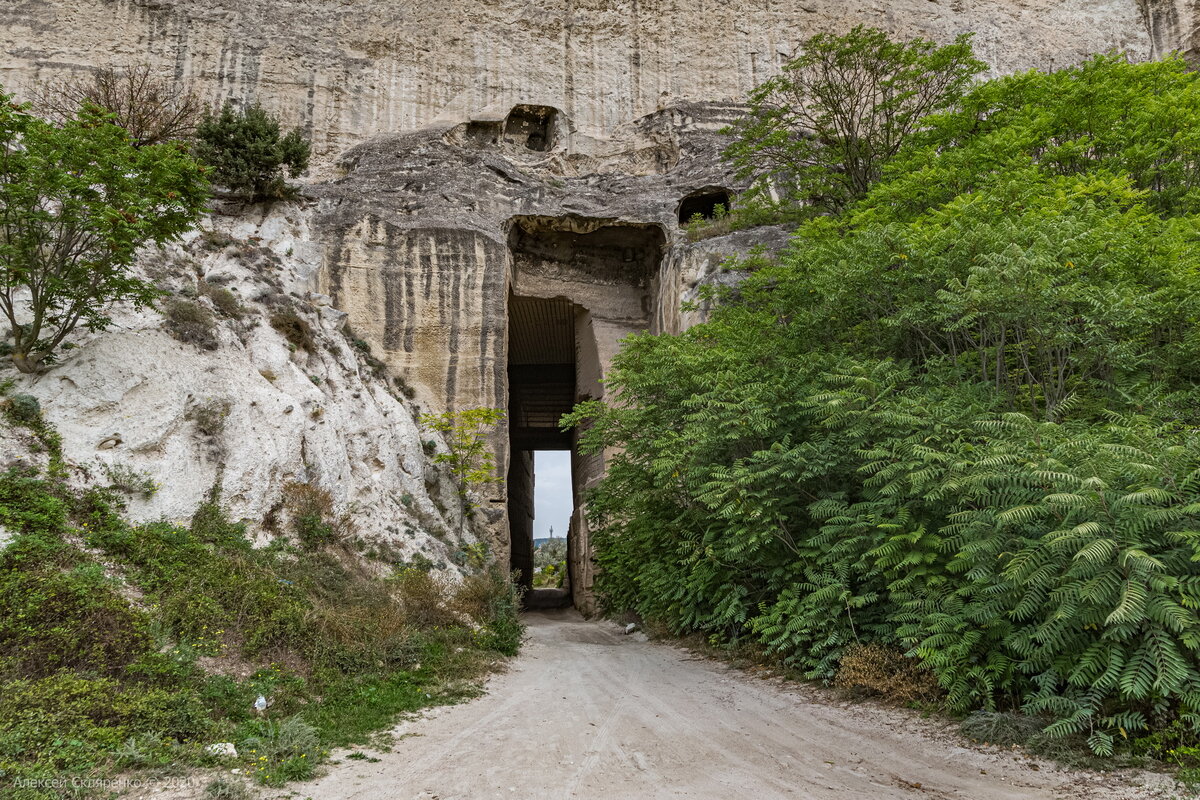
958	419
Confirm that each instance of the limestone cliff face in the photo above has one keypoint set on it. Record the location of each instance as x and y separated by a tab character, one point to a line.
240	409
496	198
348	70
1172	25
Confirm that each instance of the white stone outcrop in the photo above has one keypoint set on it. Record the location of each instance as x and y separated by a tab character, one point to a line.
254	414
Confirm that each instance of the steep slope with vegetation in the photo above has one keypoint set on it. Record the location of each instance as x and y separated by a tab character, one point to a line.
135	647
954	427
223	539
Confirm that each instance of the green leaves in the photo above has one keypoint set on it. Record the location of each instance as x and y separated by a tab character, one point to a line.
470	459
961	418
822	130
248	153
76	203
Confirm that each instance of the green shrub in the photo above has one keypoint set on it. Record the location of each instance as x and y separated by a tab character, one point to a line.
23	409
493	600
247	153
959	419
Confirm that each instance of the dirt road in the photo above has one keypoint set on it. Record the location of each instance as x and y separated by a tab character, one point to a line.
586	712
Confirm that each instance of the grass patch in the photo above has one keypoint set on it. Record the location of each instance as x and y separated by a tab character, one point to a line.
92	683
295	330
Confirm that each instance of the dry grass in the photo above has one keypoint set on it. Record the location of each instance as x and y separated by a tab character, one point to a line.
425	598
223	300
886	672
312	517
298	333
191	323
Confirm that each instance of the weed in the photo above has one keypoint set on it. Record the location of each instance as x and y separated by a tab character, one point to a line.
209	416
295	330
129	480
213	241
282	751
1001	728
143	750
226	789
191	323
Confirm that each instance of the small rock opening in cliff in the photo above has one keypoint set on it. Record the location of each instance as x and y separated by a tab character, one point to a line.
704	204
531	127
483	134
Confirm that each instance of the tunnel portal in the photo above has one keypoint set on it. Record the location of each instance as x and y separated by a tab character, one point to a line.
578	286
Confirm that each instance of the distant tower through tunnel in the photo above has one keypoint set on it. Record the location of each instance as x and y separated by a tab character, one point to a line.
541	388
577	287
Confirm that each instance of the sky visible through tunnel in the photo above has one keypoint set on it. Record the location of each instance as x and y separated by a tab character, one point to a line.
551	493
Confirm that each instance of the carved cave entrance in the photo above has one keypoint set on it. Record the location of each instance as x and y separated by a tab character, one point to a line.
578	286
541	388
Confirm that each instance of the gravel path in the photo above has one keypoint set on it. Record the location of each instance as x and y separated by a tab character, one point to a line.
586	712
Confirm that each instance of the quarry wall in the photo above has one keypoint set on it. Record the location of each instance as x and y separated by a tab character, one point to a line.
469	154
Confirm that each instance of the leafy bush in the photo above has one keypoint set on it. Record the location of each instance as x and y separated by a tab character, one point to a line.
23	409
247	153
84	200
957	421
55	620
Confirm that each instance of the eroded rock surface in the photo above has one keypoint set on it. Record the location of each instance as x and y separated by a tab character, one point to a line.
350	70
238	408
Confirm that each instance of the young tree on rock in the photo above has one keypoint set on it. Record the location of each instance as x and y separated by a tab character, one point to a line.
76	203
248	152
819	133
